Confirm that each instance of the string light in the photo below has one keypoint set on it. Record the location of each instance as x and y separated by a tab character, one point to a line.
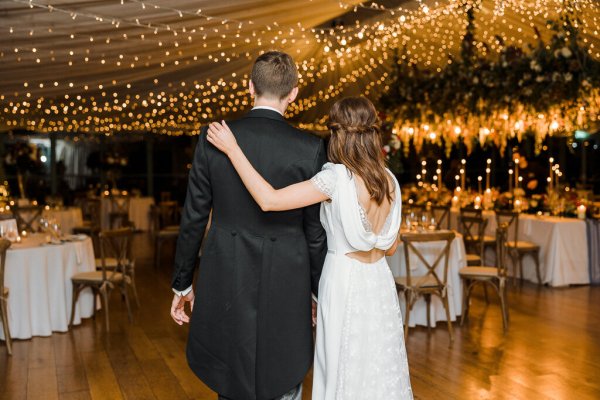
197	60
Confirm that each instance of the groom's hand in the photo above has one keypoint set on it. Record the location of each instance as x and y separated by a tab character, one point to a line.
178	308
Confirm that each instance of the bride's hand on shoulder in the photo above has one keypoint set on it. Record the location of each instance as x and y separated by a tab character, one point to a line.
221	137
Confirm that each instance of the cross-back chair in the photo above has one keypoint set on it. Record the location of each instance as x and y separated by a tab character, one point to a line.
27	216
442	216
4	245
473	228
488	276
517	249
118	210
115	260
91	208
166	226
435	280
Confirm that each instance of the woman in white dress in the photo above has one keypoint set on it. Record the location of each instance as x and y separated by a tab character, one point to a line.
359	351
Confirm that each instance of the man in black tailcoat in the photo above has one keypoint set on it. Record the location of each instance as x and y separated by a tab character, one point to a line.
250	329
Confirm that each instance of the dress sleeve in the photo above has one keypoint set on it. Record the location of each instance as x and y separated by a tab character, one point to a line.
325	180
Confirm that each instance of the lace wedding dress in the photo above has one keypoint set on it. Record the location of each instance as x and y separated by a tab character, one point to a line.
360	353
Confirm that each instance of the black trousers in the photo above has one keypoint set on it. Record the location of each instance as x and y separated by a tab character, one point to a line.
294	394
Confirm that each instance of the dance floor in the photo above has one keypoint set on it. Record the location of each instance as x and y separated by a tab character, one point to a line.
551	351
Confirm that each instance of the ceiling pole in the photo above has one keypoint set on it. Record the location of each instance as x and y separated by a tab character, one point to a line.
150	165
53	177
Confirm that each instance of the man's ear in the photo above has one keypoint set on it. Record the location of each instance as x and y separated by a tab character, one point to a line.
251	88
292	96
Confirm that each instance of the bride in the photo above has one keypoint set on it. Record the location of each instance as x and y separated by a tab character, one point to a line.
359	351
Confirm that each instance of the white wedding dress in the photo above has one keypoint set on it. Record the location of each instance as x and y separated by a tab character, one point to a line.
360	353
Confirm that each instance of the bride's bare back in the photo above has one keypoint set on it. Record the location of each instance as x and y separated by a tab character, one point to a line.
377	215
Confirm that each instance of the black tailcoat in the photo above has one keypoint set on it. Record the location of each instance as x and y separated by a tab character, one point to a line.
250	330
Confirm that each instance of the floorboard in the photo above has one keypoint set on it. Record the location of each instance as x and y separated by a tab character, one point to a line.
551	350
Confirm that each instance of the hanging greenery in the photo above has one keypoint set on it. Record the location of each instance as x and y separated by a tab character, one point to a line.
547	88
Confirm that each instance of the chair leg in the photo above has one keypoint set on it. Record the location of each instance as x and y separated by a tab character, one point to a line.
95	294
133	286
4	315
76	290
515	264
127	303
521	268
104	293
447	309
408	300
428	303
503	305
465	301
536	259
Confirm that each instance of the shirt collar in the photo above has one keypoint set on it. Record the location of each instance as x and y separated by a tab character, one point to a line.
267	108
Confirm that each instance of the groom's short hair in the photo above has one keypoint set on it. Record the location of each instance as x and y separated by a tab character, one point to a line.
274	74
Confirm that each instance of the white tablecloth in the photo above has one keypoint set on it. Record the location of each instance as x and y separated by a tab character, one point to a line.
563	247
8	224
39	279
139	212
457	260
68	218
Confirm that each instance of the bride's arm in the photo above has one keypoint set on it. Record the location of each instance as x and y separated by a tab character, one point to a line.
298	195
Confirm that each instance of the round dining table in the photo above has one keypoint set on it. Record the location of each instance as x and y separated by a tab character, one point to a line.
38	276
430	250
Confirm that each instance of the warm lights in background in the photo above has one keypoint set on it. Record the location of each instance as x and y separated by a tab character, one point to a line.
167	67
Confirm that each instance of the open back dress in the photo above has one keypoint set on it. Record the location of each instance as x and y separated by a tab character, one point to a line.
359	352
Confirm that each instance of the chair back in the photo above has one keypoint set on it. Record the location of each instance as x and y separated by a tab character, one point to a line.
473	231
27	216
501	249
511	218
115	243
471	212
410	240
54	201
91	208
168	213
442	216
4	245
119	203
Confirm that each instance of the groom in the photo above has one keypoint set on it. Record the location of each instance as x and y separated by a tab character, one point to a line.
250	328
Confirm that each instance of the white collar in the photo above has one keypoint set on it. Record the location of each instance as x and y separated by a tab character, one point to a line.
267	108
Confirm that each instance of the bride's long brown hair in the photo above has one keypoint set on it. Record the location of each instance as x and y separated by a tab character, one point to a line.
356	142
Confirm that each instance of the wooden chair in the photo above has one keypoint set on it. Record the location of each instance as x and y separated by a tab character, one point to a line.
472	229
434	282
442	216
166	226
518	249
492	276
91	210
27	216
4	245
126	264
118	211
118	244
488	241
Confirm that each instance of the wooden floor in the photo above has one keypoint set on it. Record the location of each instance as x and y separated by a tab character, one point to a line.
552	351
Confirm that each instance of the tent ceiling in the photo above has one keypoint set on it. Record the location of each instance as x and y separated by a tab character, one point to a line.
169	66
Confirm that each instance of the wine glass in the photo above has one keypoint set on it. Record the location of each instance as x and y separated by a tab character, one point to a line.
432	223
